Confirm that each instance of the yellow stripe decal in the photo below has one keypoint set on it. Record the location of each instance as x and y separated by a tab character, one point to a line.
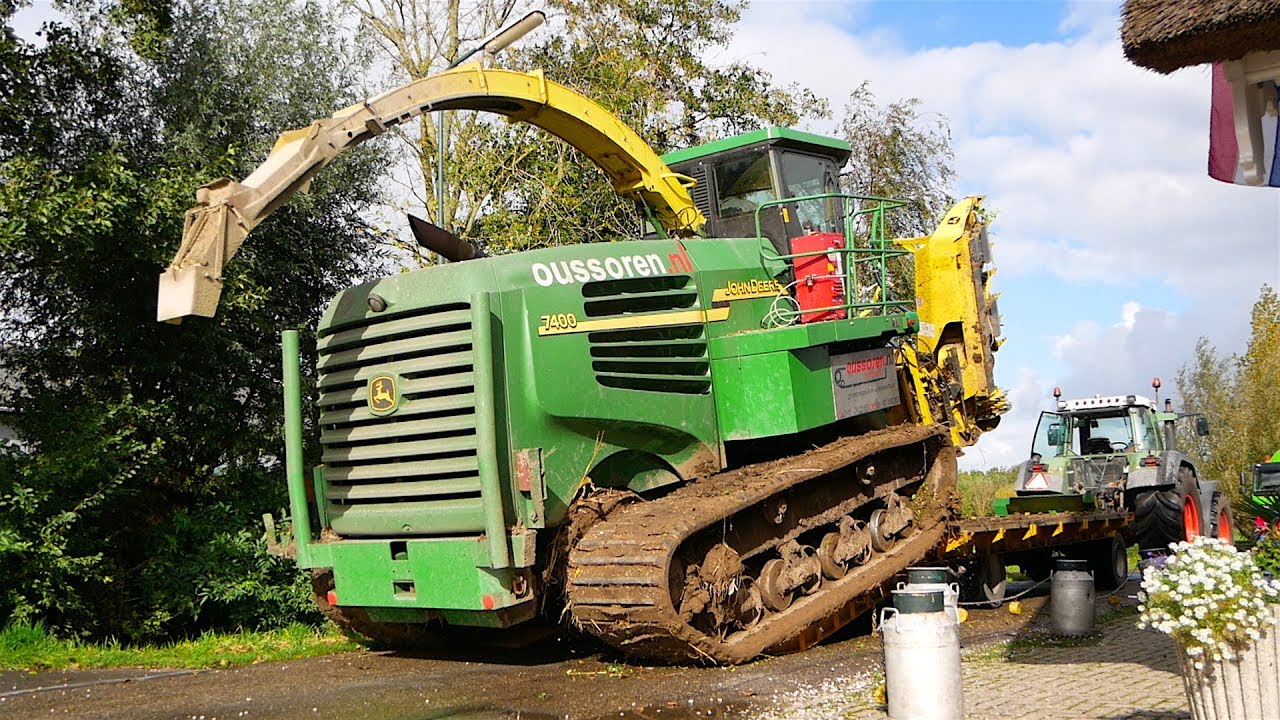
679	317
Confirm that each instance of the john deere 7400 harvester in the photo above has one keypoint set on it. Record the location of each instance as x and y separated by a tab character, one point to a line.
722	439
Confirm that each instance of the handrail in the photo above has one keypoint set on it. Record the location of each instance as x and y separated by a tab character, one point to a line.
878	252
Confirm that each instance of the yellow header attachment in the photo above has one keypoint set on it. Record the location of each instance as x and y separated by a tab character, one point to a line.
959	322
228	210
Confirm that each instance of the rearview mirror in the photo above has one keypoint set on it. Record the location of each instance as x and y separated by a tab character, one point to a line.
1055	435
1202	426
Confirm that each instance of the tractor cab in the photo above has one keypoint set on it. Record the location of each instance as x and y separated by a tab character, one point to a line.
1099	448
1266	479
1105	426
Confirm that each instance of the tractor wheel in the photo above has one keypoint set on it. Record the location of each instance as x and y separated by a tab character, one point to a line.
984	581
1161	517
1109	563
1223	527
355	621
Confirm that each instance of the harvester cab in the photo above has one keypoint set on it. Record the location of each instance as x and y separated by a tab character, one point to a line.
1111	452
776	183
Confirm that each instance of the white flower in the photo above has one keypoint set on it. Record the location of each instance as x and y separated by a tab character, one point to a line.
1209	597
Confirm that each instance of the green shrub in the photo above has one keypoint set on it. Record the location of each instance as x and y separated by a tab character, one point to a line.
979	488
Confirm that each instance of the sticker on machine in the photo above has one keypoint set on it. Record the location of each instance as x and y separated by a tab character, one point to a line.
863	382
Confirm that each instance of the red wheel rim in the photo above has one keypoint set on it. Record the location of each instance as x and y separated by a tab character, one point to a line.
1190	517
1224	527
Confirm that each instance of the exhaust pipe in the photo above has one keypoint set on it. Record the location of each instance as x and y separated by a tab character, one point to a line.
441	241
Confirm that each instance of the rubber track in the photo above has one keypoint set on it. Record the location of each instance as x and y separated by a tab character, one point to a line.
618	573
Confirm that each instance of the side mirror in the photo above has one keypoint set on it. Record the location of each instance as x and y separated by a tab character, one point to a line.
1202	426
1055	435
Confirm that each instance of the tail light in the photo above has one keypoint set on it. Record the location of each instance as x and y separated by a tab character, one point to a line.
1037	467
1149	461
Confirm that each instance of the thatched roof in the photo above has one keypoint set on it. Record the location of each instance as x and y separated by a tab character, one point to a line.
1165	35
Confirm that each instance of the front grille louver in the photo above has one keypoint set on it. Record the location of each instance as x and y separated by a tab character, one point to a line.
414	471
670	359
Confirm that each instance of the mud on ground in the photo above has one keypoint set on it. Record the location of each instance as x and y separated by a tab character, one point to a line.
556	679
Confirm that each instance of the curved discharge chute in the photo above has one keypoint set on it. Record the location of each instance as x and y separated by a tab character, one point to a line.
228	210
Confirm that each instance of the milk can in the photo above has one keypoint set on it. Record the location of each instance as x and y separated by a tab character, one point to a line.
935	578
1071	598
921	658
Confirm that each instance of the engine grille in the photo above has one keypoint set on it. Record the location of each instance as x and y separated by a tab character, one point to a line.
669	359
414	471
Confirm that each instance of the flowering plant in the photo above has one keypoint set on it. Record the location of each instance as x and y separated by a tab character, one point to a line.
1266	552
1211	598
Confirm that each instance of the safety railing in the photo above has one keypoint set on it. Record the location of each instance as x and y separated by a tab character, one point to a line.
864	267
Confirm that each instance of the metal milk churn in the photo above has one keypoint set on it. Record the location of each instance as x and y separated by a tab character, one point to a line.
935	578
921	658
1071	598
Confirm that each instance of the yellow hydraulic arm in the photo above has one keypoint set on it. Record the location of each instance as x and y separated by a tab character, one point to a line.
959	325
228	210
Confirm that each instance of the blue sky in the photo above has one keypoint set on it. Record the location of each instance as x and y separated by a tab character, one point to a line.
918	25
1115	250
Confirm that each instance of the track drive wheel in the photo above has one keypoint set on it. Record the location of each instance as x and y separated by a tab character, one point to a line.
770	584
880	541
831	568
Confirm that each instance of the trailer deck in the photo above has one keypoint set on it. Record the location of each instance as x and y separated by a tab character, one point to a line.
1026	531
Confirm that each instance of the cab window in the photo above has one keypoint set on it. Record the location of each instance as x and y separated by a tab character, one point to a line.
1051	432
1144	430
1105	435
804	175
742	184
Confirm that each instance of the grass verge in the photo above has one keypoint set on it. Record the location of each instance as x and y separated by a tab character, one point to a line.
32	647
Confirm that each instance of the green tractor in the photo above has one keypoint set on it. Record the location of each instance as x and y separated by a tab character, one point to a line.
1120	452
1265	488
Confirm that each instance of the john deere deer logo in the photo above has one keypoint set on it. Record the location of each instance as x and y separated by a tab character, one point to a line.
382	394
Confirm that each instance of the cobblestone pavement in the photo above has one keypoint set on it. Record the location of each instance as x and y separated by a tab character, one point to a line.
1118	673
1127	673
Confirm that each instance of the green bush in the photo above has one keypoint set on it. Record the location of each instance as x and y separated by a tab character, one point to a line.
149	451
979	488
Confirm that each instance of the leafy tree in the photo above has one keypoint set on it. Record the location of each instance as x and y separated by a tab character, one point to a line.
513	187
979	488
899	153
149	449
1238	395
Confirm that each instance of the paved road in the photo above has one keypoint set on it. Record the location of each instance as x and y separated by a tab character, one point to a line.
1123	673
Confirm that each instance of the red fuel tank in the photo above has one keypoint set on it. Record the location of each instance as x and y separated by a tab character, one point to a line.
819	278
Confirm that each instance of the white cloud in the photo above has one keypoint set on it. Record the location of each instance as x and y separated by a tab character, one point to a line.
1010	442
1097	170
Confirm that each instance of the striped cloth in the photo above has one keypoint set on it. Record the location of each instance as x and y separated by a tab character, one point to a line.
1224	152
